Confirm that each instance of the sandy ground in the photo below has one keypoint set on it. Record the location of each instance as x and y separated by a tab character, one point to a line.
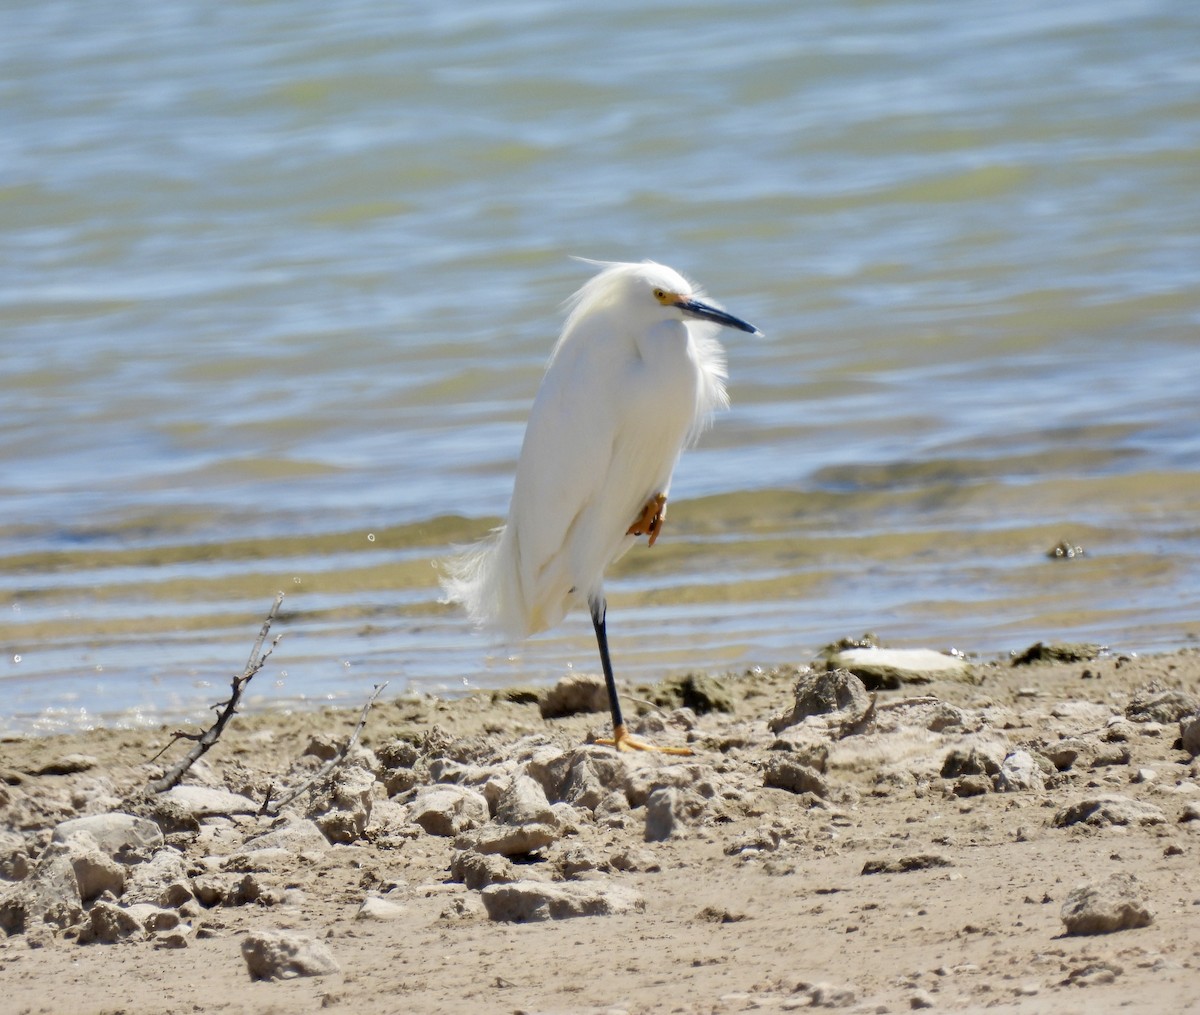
746	896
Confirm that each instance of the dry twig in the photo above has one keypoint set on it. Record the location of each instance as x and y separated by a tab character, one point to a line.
273	809
226	710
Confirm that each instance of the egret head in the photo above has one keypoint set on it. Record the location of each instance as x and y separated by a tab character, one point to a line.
650	292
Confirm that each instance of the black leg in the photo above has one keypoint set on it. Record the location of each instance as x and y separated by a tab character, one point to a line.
599	608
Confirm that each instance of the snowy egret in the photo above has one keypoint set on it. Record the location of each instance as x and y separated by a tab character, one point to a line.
634	378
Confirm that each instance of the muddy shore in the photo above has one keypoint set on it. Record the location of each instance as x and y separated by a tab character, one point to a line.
1013	837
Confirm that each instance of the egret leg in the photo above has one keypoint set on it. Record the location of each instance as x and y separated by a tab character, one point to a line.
622	739
654	513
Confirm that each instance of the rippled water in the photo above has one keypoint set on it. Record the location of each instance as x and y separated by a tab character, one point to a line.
277	282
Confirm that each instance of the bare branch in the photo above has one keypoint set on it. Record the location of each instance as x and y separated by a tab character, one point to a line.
273	809
226	710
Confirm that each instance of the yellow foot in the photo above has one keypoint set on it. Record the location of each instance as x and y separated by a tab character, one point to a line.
623	740
651	519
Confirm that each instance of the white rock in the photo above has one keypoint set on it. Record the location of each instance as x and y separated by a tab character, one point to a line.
113	832
204	801
1105	907
50	895
523	803
297	835
375	908
1019	771
883	666
148	881
1189	733
152	917
343	811
1109	809
669	810
108	924
509	840
448	809
283	955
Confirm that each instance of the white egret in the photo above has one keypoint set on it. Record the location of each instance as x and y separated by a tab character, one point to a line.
634	378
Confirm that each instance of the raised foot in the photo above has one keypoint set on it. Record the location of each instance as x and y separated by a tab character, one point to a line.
650	521
623	740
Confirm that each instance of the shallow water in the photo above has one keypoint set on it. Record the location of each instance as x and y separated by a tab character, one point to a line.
277	284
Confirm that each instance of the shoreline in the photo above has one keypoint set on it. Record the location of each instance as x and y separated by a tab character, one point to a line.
876	861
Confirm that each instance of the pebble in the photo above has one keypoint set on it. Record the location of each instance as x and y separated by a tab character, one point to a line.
375	908
534	901
113	833
822	693
1109	809
1105	907
892	667
782	771
1019	772
204	801
283	955
448	810
669	811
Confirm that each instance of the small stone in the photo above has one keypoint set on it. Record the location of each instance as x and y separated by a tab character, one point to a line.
783	771
920	999
341	807
109	924
283	955
1018	773
204	801
323	746
669	810
296	835
68	764
533	901
524	802
1162	706
1106	907
1109	809
510	840
575	693
592	774
447	809
95	872
114	833
382	910
830	995
906	864
971	785
889	668
1189	734
50	895
821	693
1066	753
1191	812
478	870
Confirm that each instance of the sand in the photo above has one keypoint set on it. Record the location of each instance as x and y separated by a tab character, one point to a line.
912	852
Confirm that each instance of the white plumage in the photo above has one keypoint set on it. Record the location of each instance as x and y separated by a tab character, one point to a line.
634	378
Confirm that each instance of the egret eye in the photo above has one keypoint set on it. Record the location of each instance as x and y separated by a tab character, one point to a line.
660	295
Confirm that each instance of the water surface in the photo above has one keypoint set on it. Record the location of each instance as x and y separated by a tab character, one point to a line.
277	283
